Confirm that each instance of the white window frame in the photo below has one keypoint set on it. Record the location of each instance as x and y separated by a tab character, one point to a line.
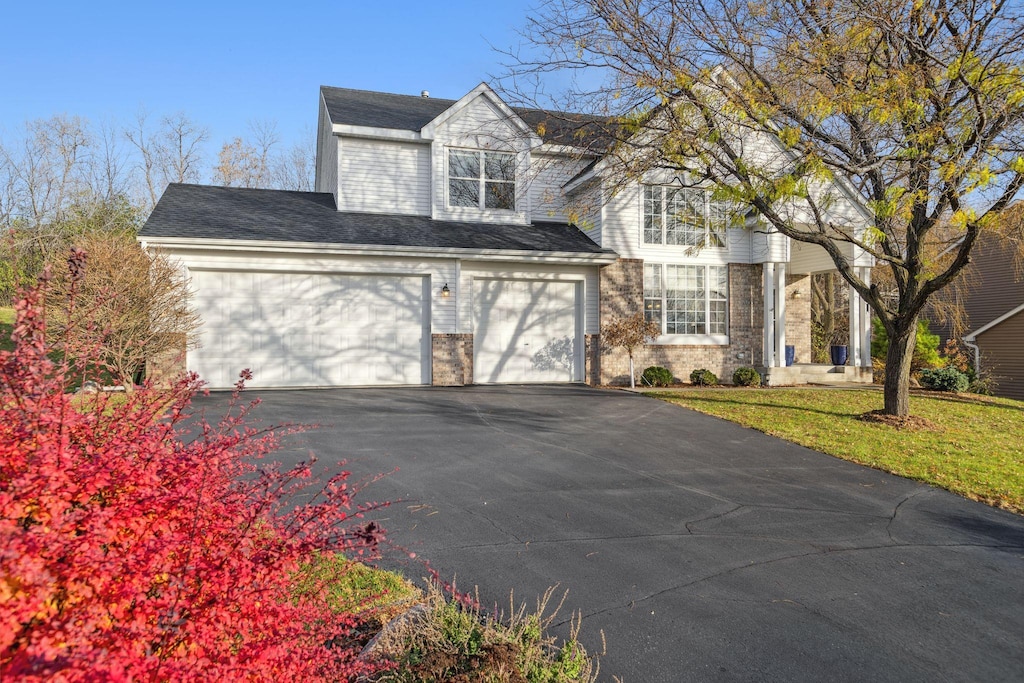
481	179
682	217
709	326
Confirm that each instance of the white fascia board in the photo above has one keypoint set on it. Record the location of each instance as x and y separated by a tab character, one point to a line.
376	133
972	336
585	179
565	150
483	90
525	255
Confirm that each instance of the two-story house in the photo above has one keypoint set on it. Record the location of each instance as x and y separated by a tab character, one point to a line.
463	241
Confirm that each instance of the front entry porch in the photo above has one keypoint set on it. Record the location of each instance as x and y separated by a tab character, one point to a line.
787	322
817	373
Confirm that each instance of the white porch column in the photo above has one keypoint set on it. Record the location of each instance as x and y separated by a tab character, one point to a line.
780	314
860	323
865	321
856	328
768	329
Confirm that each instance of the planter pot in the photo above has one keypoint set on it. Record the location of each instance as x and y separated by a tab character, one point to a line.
790	355
839	354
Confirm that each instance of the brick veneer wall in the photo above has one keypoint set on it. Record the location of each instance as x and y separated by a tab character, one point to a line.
452	360
592	359
798	316
622	295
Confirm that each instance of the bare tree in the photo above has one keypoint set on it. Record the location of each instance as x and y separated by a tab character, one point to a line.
47	172
914	107
130	305
173	153
629	334
248	162
294	169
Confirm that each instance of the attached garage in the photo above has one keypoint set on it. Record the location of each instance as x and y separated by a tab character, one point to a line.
295	329
305	295
526	331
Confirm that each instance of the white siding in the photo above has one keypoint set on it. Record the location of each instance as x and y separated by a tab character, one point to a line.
439	271
621	231
517	271
379	176
479	125
589	203
547	174
326	155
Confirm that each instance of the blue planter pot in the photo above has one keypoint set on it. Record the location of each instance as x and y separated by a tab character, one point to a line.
790	355
839	354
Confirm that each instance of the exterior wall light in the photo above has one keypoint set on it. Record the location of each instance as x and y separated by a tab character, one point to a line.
445	292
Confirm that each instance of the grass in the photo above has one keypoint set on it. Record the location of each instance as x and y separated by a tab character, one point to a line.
442	639
357	588
6	327
976	448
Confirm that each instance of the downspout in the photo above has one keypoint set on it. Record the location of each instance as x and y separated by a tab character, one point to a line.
969	342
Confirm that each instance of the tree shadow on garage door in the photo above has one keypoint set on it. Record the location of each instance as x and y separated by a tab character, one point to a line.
319	329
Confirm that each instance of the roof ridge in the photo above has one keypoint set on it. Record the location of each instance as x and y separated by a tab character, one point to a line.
392	94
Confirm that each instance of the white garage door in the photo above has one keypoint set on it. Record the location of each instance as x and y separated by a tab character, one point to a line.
303	329
525	331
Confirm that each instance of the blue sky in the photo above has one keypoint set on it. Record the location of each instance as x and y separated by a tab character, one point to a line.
226	63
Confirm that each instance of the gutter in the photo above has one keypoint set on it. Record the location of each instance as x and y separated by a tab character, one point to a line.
969	342
201	244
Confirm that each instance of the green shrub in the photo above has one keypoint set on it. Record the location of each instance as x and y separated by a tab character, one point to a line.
926	346
657	376
944	379
746	377
703	377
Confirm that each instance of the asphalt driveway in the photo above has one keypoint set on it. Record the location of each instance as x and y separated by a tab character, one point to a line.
703	550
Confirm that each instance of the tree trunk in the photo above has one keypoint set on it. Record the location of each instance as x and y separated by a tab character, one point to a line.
897	367
632	374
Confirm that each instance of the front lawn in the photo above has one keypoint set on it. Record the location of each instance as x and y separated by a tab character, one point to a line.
976	450
6	327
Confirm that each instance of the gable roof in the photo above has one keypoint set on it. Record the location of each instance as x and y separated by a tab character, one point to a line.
351	107
230	213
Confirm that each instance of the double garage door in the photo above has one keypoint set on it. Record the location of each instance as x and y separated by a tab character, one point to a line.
316	329
311	329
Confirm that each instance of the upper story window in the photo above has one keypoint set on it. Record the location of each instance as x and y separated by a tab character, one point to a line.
685	216
482	179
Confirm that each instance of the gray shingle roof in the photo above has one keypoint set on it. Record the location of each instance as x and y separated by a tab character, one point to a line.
409	112
208	212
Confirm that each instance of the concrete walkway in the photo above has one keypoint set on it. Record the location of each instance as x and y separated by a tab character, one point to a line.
703	550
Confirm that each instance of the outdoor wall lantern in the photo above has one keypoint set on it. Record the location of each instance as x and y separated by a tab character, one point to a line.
445	292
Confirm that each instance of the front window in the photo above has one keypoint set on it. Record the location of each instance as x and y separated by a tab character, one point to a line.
481	179
691	300
686	216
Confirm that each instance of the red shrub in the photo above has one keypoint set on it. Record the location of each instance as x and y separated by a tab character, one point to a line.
130	553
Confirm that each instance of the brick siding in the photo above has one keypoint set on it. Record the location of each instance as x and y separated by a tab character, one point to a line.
451	360
622	295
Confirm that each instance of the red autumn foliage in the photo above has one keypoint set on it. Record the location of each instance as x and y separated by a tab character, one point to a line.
139	542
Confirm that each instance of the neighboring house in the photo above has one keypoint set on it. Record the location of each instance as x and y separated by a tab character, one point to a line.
989	301
438	249
1000	353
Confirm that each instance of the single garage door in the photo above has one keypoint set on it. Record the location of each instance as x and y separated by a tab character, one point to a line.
525	331
310	329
